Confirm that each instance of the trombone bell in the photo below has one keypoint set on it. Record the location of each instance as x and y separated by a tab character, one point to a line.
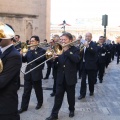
58	49
24	47
1	66
49	53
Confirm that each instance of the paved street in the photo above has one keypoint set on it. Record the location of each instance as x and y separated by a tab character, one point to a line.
104	105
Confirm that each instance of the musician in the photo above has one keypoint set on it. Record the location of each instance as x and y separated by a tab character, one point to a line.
33	79
18	42
56	39
12	62
80	45
108	55
88	65
101	58
113	50
66	77
49	63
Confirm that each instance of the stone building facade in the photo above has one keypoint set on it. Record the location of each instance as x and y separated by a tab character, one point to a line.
28	17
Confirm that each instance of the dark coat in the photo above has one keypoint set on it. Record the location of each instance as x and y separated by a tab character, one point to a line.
36	74
67	66
90	57
118	48
8	81
18	46
102	54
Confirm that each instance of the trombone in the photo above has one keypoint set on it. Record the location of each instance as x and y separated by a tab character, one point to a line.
58	49
25	47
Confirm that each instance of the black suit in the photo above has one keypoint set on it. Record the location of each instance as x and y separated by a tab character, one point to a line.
101	61
18	47
108	55
66	78
34	77
88	67
8	84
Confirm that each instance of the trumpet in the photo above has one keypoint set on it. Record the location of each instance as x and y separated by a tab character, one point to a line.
57	48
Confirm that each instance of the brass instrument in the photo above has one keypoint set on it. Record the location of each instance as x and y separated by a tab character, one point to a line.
5	33
1	66
17	43
25	47
58	49
82	47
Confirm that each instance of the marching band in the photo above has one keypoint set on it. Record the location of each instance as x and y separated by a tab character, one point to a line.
66	58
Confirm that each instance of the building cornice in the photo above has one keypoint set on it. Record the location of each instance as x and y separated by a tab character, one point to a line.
17	15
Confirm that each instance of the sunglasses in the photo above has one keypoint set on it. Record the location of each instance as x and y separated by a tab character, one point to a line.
0	40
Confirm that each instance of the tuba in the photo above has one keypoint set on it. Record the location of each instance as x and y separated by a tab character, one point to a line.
5	33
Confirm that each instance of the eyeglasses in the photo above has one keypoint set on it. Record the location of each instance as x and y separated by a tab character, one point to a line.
0	40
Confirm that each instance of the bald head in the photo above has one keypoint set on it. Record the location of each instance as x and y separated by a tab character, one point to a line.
88	37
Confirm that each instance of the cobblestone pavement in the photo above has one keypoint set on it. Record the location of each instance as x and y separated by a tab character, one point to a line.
104	105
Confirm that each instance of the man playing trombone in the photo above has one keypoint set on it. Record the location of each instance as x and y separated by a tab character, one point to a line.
66	76
33	78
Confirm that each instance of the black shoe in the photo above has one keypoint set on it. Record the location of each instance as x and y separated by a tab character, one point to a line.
71	114
45	78
52	94
81	97
91	94
52	118
22	110
38	106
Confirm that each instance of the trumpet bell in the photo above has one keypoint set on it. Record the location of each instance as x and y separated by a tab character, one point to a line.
1	66
6	32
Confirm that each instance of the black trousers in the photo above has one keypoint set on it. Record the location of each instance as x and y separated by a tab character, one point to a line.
18	83
55	79
118	56
59	97
112	55
15	116
27	92
101	69
49	66
91	81
79	70
108	60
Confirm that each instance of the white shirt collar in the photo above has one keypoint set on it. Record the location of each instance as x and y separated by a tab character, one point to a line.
5	48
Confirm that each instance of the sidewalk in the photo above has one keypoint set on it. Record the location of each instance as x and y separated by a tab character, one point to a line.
104	105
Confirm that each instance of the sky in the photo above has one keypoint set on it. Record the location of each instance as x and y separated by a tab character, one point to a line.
72	10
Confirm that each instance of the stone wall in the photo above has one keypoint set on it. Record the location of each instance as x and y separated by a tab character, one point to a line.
28	17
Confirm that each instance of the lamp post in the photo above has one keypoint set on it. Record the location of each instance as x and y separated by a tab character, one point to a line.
104	23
